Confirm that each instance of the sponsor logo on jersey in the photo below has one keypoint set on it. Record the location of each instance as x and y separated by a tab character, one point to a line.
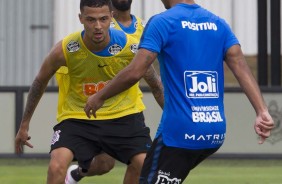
134	48
102	66
92	88
73	46
136	25
206	114
199	26
114	49
56	137
163	178
112	24
206	117
214	138
201	84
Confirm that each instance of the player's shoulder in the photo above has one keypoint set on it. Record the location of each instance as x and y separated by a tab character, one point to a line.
139	21
117	32
56	54
73	35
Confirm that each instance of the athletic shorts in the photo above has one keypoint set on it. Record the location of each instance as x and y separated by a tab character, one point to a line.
164	164
121	138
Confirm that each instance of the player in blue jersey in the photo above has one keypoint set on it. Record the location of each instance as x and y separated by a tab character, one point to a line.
103	163
191	44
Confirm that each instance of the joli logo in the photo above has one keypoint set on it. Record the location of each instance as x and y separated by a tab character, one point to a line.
201	84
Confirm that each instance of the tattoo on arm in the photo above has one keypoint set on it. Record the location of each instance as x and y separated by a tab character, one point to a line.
36	91
155	84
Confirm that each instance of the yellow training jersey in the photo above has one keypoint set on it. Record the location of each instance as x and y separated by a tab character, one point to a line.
87	73
138	25
134	31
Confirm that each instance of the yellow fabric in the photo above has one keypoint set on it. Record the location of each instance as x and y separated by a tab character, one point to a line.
83	77
139	27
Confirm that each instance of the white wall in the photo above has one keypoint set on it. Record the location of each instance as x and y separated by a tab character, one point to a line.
240	139
240	14
66	18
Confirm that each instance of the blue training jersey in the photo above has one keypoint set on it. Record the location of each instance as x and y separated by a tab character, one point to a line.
191	43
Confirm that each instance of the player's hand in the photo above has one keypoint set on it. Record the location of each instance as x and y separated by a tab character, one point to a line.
22	139
263	126
92	105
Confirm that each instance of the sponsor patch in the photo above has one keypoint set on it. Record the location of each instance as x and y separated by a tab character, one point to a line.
136	25
112	24
73	46
216	139
114	49
201	84
134	48
56	137
165	178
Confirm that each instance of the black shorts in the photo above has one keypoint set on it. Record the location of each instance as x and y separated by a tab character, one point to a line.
165	164
121	138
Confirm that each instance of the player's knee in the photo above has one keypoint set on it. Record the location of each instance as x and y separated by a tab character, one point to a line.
105	166
56	169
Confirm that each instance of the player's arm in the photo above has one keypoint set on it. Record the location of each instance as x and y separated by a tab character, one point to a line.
155	84
51	64
122	81
237	63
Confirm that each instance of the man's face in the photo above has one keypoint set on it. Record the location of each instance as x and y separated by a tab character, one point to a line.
96	21
122	5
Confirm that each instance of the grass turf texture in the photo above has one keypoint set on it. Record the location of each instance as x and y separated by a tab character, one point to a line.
211	171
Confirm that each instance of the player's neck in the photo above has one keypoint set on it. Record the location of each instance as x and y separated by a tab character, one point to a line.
187	1
96	47
174	2
123	17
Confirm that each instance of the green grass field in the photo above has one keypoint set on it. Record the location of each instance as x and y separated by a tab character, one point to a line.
211	171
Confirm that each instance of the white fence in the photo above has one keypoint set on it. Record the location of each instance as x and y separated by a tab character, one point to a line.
240	139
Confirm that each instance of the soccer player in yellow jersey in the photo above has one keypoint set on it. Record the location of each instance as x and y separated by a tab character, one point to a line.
103	163
93	57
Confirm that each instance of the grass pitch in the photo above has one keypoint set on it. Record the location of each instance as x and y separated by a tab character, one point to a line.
211	171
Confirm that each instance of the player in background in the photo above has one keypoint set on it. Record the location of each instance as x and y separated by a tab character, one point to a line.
103	163
124	20
191	44
93	57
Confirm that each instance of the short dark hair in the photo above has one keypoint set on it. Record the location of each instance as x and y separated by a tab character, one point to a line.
96	3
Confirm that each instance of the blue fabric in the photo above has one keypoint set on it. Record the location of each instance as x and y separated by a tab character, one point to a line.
131	28
191	43
118	37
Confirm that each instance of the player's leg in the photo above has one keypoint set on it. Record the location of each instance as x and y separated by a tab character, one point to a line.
133	146
163	165
160	164
100	165
133	170
68	143
59	162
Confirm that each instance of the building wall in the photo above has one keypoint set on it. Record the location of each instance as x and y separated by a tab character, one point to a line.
241	16
31	27
25	32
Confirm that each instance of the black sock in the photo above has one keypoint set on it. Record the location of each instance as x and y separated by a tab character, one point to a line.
75	175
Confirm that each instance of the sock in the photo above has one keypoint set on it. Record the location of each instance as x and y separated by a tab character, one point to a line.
75	175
